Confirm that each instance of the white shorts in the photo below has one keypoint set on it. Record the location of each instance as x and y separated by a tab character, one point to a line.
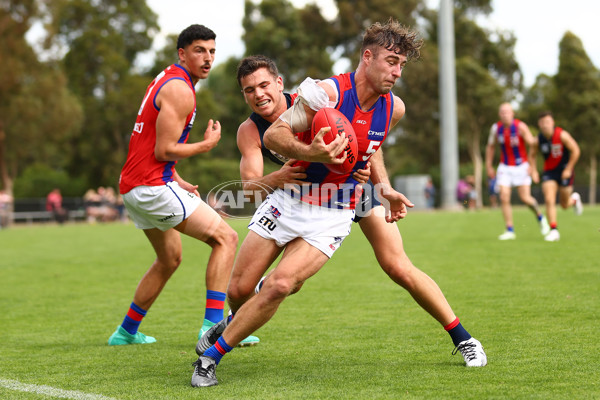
511	176
282	218
164	207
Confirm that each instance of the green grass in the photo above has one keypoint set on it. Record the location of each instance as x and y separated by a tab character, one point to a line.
349	334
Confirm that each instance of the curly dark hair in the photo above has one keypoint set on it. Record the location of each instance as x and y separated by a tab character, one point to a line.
192	33
393	36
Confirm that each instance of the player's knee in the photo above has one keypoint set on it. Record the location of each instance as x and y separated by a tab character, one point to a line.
168	265
402	273
226	237
237	291
279	288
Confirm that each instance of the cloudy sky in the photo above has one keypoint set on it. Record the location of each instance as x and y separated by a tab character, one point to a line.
538	24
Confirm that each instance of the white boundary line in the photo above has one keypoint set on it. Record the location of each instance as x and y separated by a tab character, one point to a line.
51	391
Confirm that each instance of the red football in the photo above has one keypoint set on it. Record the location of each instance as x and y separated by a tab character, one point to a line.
339	124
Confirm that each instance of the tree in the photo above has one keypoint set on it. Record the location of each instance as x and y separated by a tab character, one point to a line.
577	102
487	74
355	16
38	114
299	40
102	40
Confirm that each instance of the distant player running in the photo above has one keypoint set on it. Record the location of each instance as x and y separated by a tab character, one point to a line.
561	153
514	170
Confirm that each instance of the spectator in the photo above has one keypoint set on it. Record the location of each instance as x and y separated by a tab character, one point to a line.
430	194
462	192
92	202
5	208
108	202
472	196
54	205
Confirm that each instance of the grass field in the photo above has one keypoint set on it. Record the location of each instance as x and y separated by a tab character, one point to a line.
349	334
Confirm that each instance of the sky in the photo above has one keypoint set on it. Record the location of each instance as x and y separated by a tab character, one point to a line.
538	25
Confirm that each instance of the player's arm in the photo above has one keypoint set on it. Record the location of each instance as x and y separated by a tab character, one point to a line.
526	133
529	139
281	135
490	149
184	184
176	102
535	176
394	202
252	166
573	147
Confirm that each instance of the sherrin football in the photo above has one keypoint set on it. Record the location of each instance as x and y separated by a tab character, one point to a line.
339	124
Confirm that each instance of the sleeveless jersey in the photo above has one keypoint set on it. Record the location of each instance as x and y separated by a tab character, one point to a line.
262	125
371	127
556	155
141	167
511	143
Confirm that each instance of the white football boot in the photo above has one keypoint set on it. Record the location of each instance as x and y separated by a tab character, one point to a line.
553	236
578	206
507	235
544	226
472	352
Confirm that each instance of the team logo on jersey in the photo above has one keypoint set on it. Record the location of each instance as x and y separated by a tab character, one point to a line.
376	135
337	241
557	150
267	223
274	211
168	217
138	127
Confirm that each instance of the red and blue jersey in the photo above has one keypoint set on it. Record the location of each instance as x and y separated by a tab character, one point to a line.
141	167
371	127
512	143
556	155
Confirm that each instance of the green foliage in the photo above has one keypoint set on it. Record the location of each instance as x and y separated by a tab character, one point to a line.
350	333
298	40
208	172
37	180
578	94
355	16
103	39
39	116
223	93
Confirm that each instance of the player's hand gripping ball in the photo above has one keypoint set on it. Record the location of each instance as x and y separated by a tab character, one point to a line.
339	124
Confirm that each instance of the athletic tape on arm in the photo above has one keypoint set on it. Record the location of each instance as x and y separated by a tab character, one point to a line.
310	94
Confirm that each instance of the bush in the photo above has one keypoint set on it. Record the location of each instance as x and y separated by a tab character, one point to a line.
38	180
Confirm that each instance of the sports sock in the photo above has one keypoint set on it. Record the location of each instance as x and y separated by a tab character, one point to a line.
510	228
553	225
457	332
218	350
215	302
133	318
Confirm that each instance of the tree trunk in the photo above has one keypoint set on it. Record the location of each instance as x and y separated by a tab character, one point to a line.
593	179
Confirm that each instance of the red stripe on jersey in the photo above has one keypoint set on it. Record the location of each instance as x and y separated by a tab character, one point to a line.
512	143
